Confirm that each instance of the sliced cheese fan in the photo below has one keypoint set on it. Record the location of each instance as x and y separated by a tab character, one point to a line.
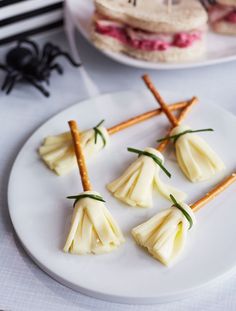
195	157
136	184
165	234
58	151
93	229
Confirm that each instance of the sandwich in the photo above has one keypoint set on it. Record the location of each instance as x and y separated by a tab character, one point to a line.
222	16
151	30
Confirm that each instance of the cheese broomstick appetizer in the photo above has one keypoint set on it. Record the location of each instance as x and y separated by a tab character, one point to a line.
195	157
93	229
58	153
136	184
165	234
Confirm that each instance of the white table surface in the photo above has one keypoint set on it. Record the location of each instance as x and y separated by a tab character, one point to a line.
23	286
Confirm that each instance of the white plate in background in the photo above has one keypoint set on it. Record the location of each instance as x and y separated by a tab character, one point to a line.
220	48
41	213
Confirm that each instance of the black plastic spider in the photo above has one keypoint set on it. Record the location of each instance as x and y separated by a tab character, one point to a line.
25	62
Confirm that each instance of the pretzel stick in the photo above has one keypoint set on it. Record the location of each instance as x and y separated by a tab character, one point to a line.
79	156
214	192
144	116
162	146
160	100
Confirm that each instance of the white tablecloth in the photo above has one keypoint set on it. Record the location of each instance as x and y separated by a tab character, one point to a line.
23	286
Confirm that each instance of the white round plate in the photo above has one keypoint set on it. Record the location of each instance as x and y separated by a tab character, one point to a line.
41	213
220	48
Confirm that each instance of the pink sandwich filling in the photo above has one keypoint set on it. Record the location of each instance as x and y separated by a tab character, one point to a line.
219	13
143	40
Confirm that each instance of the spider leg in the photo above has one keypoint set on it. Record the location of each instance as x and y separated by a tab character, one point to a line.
32	43
10	75
11	83
49	45
6	81
38	86
13	77
52	51
57	67
67	56
3	67
48	48
49	53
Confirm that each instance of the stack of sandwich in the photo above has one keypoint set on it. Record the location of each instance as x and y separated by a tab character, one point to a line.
151	30
222	16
